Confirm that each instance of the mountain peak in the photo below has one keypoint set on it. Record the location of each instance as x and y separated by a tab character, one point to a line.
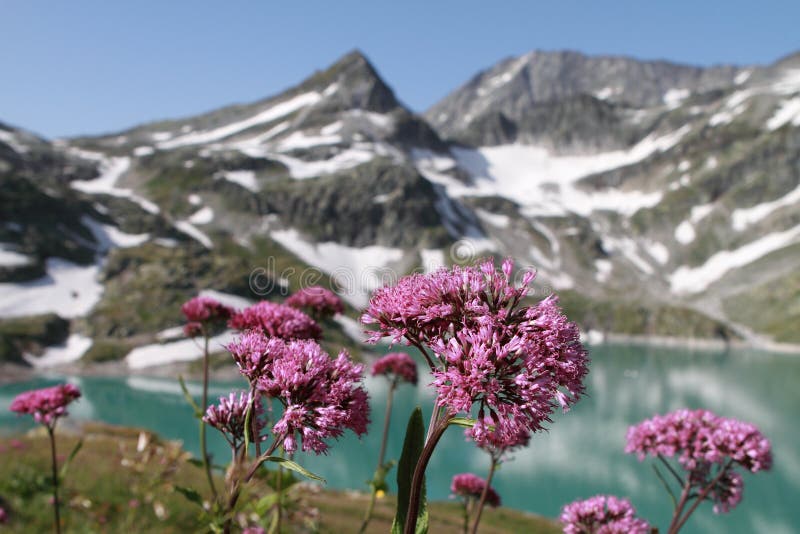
358	83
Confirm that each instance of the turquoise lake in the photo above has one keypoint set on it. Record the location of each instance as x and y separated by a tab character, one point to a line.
580	456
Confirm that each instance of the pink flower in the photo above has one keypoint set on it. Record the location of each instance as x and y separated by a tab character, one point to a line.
602	514
316	301
47	404
205	310
396	364
700	439
254	352
3	516
321	396
229	417
471	486
276	320
254	530
506	362
498	440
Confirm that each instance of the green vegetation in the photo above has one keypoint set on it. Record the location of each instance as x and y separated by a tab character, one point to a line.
113	486
772	307
635	318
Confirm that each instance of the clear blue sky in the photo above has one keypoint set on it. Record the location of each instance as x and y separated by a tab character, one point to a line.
74	67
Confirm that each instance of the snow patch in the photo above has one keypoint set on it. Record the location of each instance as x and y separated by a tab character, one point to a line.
110	172
744	217
189	229
357	270
788	112
11	258
141	151
75	346
246	179
495	219
603	270
228	299
273	112
684	233
202	216
184	350
194	199
68	290
657	251
673	97
696	279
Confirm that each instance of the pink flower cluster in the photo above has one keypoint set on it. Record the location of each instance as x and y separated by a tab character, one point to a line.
253	353
276	320
602	514
316	301
470	486
46	405
202	312
321	396
495	357
229	417
700	439
498	440
396	364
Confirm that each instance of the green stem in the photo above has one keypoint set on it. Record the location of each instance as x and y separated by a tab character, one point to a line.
53	461
419	474
465	530
701	497
204	406
484	493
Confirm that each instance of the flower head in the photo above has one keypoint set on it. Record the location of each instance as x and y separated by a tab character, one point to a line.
471	486
46	404
276	320
321	396
602	514
396	364
254	352
509	363
498	440
316	301
229	417
205	310
701	439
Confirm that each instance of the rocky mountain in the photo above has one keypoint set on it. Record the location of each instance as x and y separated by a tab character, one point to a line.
658	199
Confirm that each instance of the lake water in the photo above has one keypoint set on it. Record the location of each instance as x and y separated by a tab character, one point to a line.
580	456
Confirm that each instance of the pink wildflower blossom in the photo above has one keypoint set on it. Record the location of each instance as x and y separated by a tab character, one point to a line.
321	396
229	416
205	310
3	516
602	514
254	352
396	364
507	362
276	320
316	301
46	405
701	439
471	486
498	440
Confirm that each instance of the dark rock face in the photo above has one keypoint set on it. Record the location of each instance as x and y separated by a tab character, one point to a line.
376	203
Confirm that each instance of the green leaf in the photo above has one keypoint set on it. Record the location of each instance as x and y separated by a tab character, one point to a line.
465	422
197	411
412	448
294	466
190	494
265	504
63	471
284	479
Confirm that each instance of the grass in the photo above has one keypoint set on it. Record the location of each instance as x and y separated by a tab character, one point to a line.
113	487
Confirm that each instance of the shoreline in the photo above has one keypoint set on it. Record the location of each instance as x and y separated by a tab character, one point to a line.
12	373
